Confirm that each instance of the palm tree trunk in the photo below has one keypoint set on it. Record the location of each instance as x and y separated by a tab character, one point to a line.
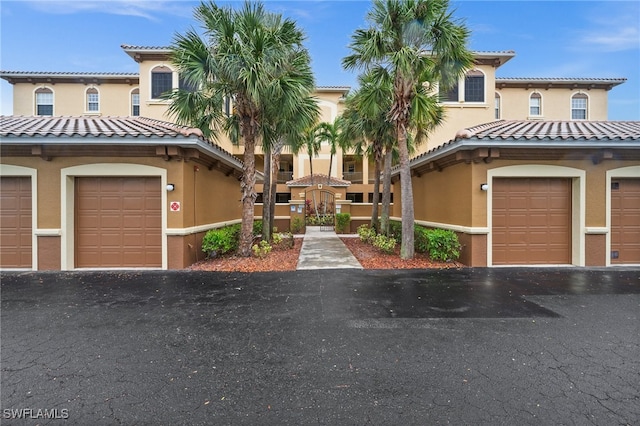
376	196
329	174
406	190
275	167
386	191
266	197
247	185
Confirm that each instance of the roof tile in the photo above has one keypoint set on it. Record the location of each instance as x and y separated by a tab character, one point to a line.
318	179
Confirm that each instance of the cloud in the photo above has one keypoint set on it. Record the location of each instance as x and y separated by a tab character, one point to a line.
147	9
612	27
613	39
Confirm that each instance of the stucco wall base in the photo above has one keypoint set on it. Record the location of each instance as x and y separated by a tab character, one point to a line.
595	250
474	249
184	250
48	253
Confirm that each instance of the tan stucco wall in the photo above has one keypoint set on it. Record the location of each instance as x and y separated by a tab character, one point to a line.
70	99
556	103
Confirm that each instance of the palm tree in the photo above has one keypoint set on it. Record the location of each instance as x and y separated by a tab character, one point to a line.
255	58
364	123
286	131
417	41
330	132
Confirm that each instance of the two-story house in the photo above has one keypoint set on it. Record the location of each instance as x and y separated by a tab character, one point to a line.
82	147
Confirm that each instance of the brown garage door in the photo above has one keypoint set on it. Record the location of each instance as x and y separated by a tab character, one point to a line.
625	221
118	222
531	221
15	222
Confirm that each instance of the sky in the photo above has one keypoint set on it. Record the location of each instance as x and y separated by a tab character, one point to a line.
593	39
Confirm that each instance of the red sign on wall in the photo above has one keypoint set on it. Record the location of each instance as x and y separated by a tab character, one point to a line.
175	206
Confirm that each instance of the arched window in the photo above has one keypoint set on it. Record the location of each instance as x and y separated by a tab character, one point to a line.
161	81
535	104
135	102
93	100
44	101
497	106
474	86
579	106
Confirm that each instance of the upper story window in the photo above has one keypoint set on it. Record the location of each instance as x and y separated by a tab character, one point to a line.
93	100
579	106
44	101
135	102
535	104
228	106
161	81
474	86
497	106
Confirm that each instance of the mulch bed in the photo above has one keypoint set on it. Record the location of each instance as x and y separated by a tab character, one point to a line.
286	259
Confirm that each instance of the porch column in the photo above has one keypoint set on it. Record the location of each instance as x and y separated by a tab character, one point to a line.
365	169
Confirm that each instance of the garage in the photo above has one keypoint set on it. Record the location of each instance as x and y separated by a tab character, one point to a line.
531	221
118	222
15	222
625	221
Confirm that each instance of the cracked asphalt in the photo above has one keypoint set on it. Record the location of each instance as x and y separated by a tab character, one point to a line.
503	346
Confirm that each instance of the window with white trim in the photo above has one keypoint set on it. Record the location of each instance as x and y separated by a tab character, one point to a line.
474	86
535	104
579	106
161	81
44	101
497	106
93	100
135	102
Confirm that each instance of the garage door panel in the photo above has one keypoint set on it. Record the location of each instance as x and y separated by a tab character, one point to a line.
534	225
625	220
16	231
117	224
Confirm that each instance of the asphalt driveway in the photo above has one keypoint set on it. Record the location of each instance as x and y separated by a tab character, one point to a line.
340	347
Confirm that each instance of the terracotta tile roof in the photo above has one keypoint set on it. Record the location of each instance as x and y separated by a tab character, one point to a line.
553	130
539	135
66	74
317	179
560	79
18	126
138	47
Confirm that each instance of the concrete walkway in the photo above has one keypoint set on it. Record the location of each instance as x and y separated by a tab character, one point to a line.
324	250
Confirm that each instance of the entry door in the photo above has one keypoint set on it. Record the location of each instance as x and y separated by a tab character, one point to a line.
625	221
531	221
118	222
15	222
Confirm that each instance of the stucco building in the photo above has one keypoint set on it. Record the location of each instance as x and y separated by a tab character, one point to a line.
87	159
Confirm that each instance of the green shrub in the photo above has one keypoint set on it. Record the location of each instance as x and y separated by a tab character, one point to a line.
421	239
222	240
261	249
297	225
443	245
257	227
343	222
384	243
366	233
395	230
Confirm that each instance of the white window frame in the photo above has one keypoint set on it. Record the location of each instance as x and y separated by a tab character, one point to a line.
535	95
586	108
132	104
174	81
462	86
497	107
35	101
88	103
